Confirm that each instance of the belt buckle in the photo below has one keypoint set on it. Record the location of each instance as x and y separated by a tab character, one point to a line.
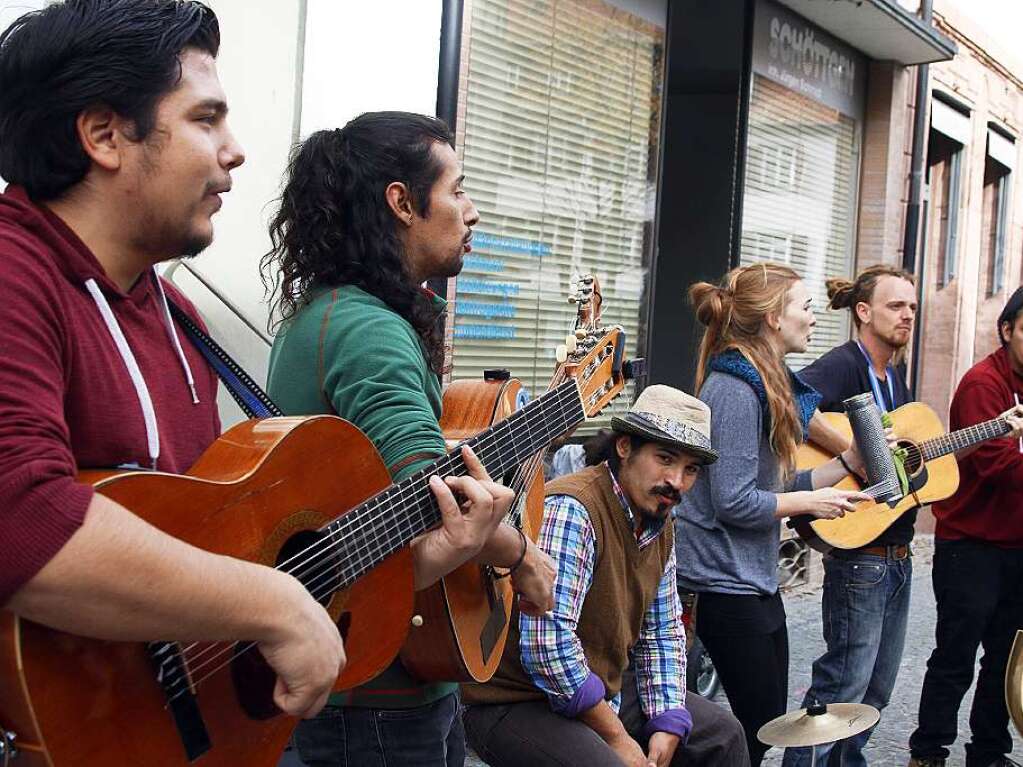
896	555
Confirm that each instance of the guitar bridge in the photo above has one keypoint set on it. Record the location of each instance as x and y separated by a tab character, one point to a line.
173	677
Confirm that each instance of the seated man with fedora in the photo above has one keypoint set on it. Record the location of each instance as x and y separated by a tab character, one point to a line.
600	679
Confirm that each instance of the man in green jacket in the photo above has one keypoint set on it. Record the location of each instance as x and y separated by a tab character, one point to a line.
369	212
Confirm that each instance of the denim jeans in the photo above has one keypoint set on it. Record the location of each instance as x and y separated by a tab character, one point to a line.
864	609
980	603
425	736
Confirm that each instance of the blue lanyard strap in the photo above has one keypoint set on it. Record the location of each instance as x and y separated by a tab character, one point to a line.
875	385
246	392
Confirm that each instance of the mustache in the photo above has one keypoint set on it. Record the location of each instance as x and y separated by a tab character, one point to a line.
667	491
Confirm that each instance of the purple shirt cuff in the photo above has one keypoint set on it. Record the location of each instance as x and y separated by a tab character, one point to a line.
589	694
676	721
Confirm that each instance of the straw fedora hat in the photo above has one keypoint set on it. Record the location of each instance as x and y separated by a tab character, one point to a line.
672	417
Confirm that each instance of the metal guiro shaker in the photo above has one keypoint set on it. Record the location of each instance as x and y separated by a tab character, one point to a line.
868	432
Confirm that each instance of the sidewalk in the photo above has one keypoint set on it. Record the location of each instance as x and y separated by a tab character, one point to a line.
888	745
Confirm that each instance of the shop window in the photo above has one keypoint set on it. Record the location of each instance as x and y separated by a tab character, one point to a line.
561	116
802	162
998	165
944	171
995	214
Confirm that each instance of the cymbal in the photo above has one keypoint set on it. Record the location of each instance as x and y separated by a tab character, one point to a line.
820	724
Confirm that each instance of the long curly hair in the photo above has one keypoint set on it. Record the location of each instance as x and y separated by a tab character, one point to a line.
734	313
334	227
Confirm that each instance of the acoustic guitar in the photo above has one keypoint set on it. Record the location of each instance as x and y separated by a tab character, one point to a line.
930	465
309	496
465	615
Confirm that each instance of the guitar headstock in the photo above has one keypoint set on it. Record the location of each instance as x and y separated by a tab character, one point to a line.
588	300
598	365
594	354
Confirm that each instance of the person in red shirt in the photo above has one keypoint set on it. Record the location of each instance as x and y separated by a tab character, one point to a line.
114	137
978	566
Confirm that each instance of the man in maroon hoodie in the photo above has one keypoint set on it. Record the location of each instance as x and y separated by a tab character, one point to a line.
113	137
978	566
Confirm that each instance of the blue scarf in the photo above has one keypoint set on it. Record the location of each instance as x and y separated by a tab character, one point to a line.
733	363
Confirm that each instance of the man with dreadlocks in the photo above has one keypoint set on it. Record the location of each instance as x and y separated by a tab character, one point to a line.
368	213
866	590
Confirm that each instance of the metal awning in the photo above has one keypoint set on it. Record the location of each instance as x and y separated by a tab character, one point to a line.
882	29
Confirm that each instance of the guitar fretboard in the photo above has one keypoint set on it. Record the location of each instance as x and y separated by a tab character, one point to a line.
963	438
366	535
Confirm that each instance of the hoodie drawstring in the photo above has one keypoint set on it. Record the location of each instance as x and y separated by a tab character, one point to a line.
137	379
169	324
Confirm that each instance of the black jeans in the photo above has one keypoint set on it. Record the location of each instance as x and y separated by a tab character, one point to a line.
750	651
347	736
518	734
978	588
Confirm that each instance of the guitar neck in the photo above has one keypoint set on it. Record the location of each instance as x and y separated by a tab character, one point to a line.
366	535
963	438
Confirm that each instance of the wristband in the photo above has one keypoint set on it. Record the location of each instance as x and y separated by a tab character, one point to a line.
846	466
522	555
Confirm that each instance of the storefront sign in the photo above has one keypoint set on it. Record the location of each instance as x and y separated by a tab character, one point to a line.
793	52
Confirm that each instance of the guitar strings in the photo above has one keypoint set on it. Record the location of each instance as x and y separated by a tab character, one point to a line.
358	557
330	577
485	443
968	436
342	524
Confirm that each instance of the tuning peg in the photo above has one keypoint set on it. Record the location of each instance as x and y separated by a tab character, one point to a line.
570	344
580	334
561	353
573	299
588	279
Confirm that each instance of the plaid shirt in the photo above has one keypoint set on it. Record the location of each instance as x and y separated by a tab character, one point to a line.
552	653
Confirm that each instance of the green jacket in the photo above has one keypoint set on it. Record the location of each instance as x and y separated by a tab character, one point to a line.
347	352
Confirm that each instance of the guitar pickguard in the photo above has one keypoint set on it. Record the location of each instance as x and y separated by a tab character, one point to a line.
496	621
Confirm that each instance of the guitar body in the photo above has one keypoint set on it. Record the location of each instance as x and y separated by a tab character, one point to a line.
76	702
466	614
933	481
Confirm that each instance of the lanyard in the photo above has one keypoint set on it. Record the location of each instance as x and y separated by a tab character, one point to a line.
875	385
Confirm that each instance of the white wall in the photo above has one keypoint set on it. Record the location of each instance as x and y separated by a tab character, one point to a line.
283	79
369	56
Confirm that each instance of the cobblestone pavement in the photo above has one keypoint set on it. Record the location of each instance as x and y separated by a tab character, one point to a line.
888	745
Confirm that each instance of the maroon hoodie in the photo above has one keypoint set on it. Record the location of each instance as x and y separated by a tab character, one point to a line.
989	503
67	400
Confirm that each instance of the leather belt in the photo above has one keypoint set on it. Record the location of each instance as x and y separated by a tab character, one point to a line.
896	552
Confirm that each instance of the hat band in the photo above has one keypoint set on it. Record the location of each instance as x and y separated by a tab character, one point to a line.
680	432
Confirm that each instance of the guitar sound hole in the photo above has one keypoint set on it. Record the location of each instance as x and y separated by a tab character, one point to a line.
914	459
307	556
344	623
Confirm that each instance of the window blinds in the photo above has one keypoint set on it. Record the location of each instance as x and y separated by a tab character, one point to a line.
562	112
799	205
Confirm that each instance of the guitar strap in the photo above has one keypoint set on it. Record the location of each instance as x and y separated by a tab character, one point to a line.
251	398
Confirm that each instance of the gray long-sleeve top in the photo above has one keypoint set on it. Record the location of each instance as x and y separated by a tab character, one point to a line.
726	534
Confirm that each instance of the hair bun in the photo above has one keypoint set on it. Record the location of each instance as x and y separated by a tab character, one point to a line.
840	292
711	302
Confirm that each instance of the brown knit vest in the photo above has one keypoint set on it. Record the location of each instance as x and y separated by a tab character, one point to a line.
624	585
